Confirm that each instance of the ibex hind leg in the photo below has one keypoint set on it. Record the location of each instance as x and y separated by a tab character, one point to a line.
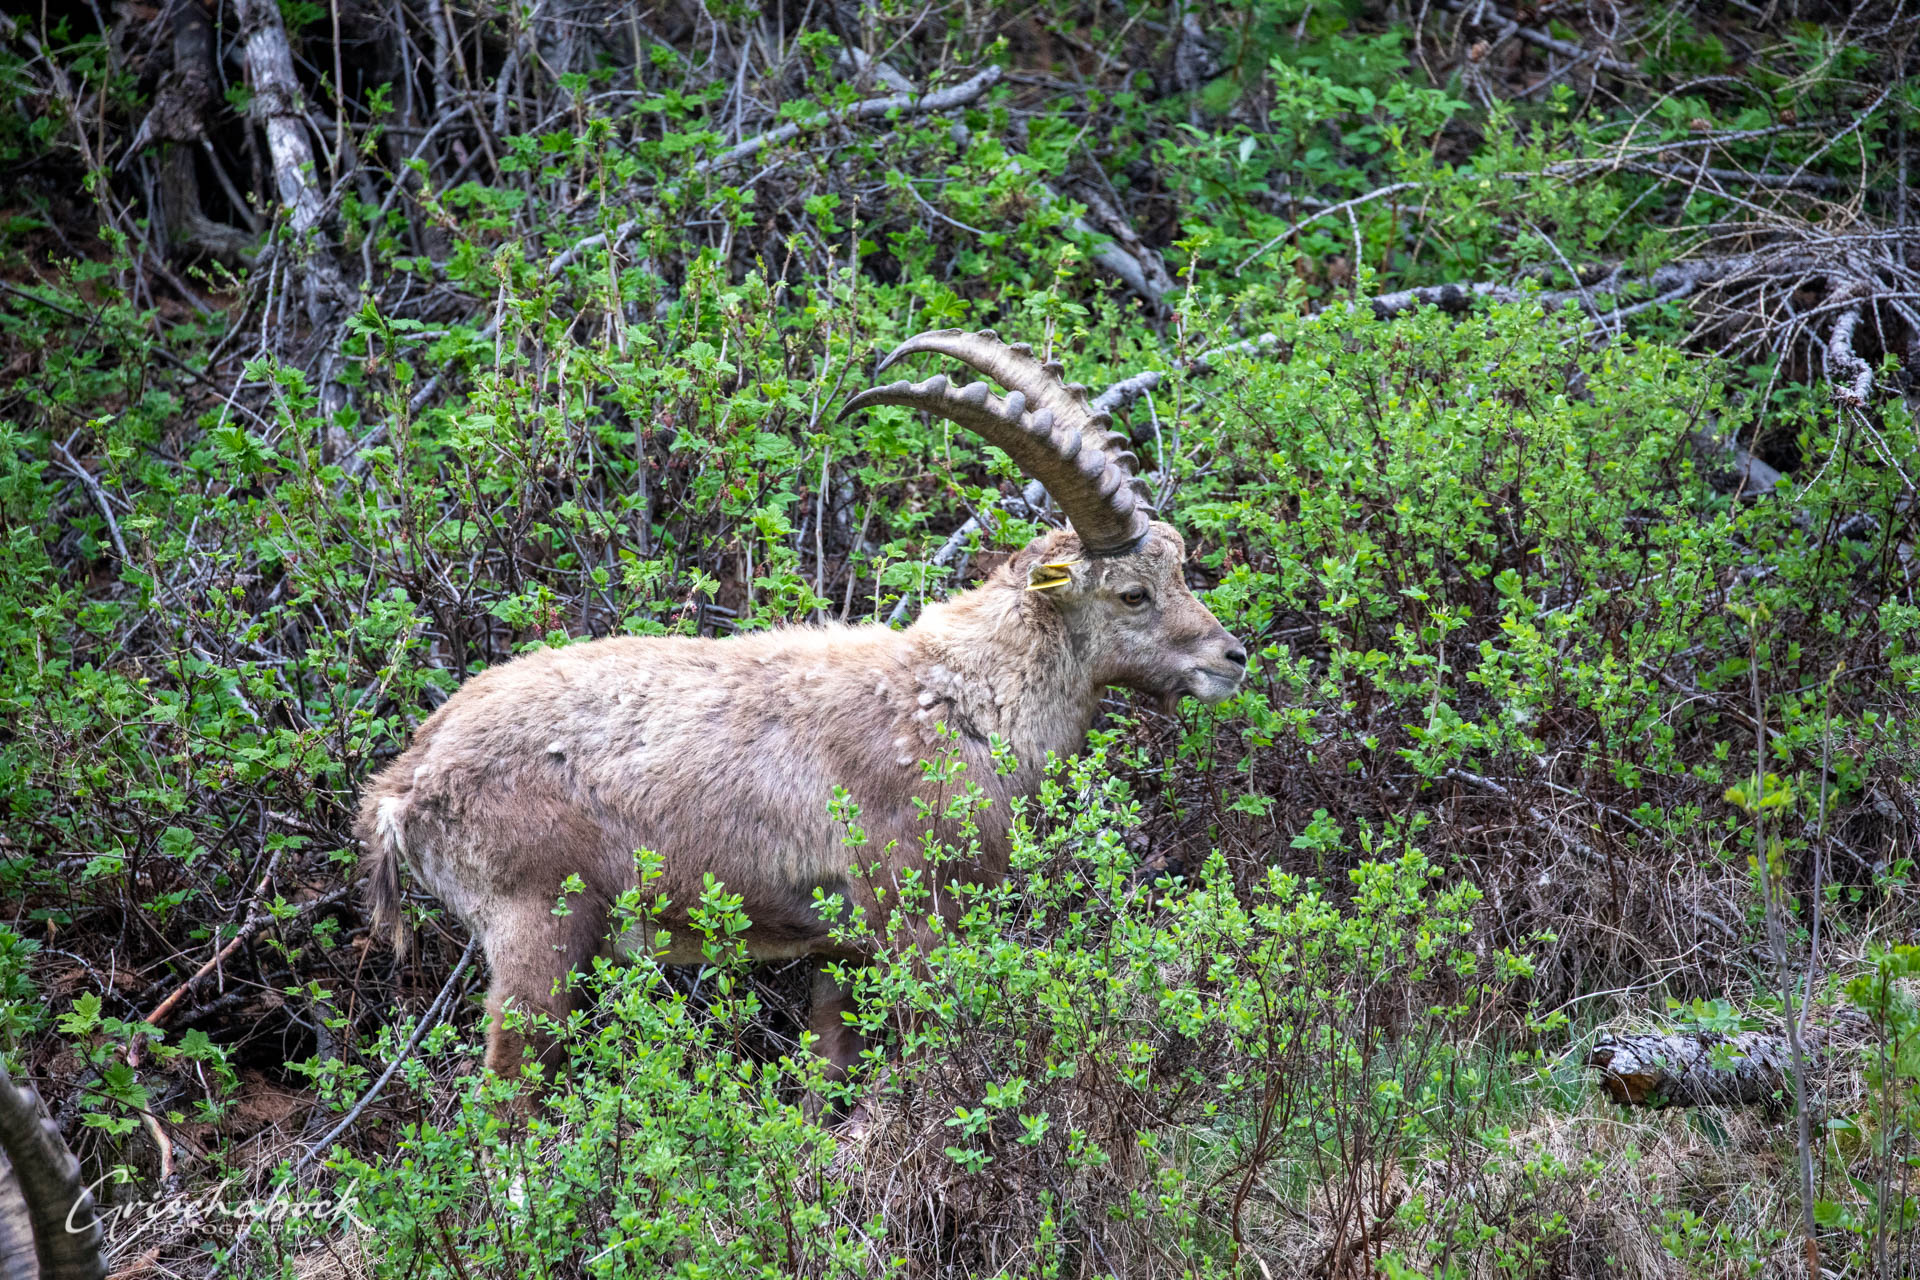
530	957
834	1040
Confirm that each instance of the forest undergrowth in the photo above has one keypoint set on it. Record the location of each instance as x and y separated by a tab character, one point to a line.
1533	386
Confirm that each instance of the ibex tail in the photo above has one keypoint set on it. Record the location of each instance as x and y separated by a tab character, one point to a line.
383	832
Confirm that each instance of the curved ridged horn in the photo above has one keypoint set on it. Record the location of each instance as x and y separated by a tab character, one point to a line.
40	1198
1045	424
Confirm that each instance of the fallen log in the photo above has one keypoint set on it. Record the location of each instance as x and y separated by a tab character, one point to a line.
1650	1069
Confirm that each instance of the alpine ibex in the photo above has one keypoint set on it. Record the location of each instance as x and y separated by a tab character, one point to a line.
722	755
48	1228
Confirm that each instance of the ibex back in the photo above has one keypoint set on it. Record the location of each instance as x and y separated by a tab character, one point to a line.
722	755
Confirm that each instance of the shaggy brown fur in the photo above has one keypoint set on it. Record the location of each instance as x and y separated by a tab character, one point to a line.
722	755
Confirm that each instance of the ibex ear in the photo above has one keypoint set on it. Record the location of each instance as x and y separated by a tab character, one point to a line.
1045	577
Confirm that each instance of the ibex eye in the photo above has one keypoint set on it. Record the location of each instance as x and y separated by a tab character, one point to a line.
1134	596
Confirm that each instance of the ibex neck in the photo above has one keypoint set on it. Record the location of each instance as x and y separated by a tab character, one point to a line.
998	660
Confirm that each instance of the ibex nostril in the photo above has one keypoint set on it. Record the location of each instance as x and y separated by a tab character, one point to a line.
1237	655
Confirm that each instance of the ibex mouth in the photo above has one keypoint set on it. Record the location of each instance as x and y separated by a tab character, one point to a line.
1215	684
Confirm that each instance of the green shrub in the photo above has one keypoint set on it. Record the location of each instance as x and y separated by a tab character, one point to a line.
1092	1066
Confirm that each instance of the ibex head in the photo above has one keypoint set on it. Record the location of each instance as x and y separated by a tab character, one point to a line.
1117	578
1131	619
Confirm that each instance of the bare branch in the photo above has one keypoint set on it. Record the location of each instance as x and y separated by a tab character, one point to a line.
1841	355
428	1020
99	496
1451	298
857	61
942	100
1331	209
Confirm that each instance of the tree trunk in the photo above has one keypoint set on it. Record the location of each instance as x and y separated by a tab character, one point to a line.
178	123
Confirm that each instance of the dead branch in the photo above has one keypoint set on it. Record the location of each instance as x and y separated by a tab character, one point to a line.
1785	181
1538	38
99	496
1155	284
1860	272
1342	207
1263	344
1105	251
1454	299
1124	392
428	1020
856	61
1841	356
281	110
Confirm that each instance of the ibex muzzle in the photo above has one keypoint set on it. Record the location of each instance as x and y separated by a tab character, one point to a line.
722	755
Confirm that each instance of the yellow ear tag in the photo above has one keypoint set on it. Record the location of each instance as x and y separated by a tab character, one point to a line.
1045	577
